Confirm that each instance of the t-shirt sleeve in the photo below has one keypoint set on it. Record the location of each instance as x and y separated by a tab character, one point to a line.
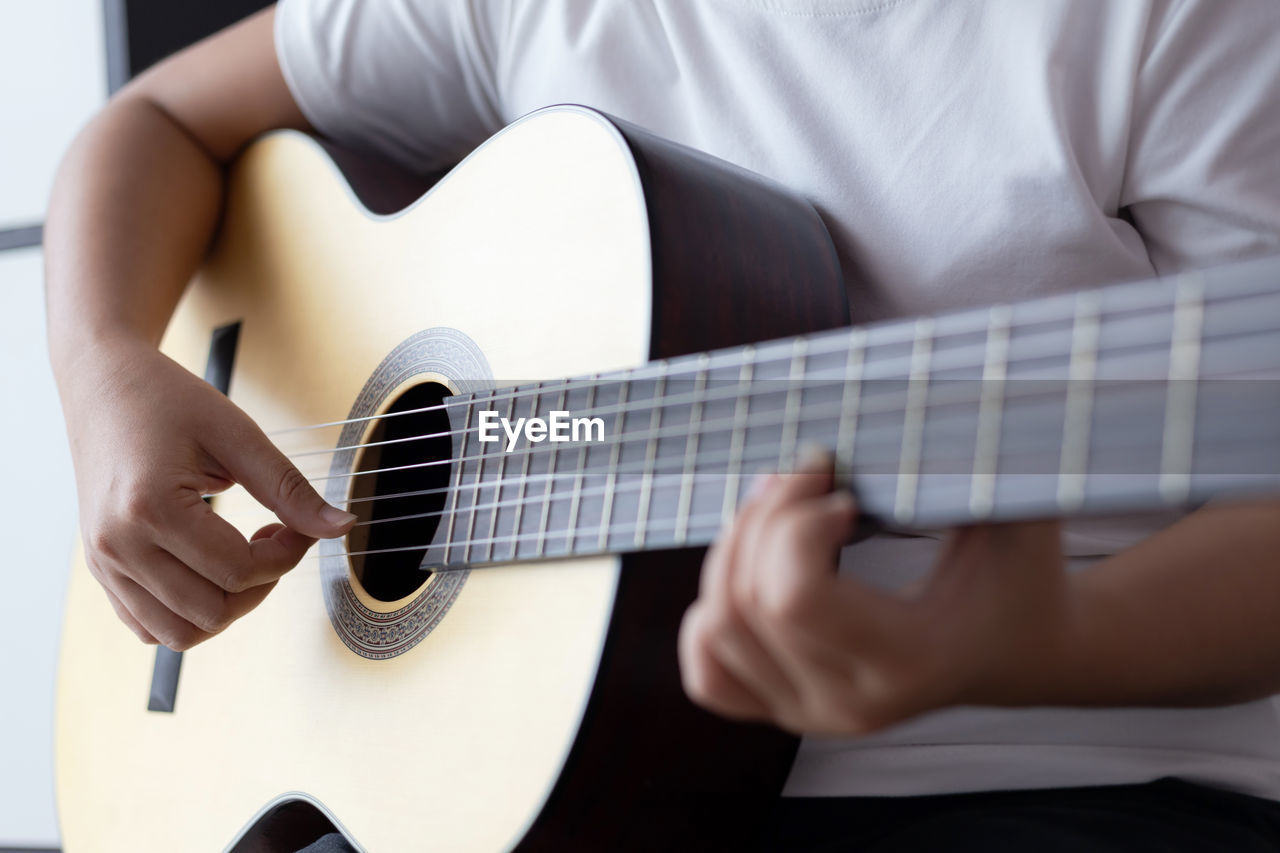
1203	182
411	80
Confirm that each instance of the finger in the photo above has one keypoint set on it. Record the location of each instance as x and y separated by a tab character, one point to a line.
278	545
723	633
794	588
789	592
751	666
835	638
192	597
705	679
811	477
269	530
206	542
127	618
813	523
717	640
267	474
159	621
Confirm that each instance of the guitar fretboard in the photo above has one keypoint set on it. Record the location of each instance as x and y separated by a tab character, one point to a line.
1139	396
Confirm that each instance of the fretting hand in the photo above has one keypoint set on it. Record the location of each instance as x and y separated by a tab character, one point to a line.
777	635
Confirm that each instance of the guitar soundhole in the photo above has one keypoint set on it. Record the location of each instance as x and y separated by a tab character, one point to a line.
400	509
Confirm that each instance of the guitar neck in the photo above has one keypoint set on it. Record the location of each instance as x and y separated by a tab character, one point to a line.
1132	397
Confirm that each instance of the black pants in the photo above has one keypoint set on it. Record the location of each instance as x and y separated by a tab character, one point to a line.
1169	816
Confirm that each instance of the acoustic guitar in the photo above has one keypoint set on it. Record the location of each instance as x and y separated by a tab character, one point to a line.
488	660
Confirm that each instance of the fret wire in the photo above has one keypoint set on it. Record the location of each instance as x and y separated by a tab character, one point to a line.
615	453
475	499
982	489
524	476
904	509
690	452
737	438
789	441
1184	378
850	401
1073	464
497	490
576	498
646	485
551	470
457	487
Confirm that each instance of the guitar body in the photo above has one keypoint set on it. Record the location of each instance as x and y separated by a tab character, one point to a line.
534	705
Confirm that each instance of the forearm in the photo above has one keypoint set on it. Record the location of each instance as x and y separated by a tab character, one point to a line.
139	193
1187	617
133	208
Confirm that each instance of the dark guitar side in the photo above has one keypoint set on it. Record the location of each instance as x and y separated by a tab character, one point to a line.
736	259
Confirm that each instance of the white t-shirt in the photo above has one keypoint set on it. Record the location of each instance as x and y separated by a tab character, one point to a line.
962	152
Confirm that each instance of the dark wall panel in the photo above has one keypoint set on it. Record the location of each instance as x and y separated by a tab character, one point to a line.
142	32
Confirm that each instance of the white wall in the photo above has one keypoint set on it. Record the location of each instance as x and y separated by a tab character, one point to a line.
52	76
37	506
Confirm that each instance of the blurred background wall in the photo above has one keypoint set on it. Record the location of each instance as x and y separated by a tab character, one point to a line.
52	78
59	59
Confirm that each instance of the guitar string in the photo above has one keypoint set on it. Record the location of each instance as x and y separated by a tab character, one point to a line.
612	528
568	538
646	405
732	392
704	520
887	438
835	339
676	470
827	412
766	419
887	435
678	474
867	407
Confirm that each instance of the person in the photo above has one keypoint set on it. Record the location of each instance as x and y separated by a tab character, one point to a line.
1102	685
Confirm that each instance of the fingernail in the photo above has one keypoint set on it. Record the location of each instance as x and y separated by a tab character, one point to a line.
756	485
336	517
842	501
812	458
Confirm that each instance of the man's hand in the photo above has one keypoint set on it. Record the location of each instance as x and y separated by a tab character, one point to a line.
777	635
149	440
135	204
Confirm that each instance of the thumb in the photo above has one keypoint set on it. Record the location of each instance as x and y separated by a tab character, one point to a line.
267	474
